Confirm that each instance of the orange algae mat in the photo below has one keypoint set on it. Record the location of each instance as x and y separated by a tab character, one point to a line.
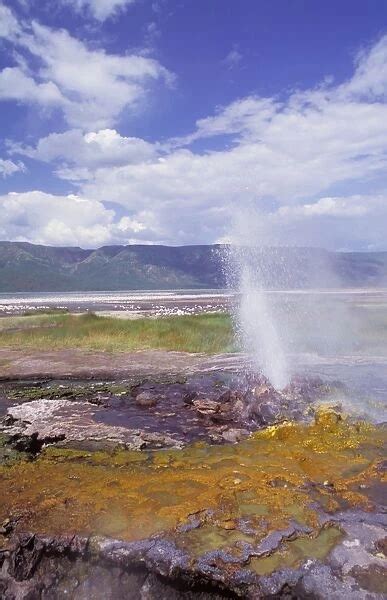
274	475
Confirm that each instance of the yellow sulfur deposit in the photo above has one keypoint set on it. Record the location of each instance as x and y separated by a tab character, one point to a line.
273	476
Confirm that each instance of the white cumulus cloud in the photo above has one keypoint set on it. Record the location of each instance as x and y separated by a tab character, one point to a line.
290	157
281	154
58	220
90	86
78	154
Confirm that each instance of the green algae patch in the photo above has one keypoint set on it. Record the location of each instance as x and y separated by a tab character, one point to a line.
293	553
274	476
71	390
208	538
9	455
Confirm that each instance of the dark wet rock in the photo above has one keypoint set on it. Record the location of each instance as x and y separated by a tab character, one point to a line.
239	408
266	413
158	440
189	396
225	415
193	522
56	568
355	517
206	407
263	391
381	547
373	578
309	388
146	399
75	567
25	557
350	571
282	585
234	435
62	567
321	582
41	422
157	588
272	541
165	411
382	466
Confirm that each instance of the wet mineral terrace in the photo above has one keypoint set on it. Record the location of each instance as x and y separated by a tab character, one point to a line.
252	490
262	483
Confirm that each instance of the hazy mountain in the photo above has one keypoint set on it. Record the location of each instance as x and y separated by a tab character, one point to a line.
29	267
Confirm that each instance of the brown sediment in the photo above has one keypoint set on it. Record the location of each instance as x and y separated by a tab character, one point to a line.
269	479
75	363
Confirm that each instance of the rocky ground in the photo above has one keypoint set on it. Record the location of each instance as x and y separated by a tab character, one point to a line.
137	480
345	559
166	411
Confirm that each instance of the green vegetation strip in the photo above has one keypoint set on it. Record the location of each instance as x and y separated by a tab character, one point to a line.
210	333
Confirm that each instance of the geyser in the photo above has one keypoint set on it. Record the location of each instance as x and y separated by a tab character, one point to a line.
291	308
256	321
258	329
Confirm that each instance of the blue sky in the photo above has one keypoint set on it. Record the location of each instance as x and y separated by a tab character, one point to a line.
132	121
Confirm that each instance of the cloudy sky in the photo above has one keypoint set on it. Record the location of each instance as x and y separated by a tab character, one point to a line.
140	121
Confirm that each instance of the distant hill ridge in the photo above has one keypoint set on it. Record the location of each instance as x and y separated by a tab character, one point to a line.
28	267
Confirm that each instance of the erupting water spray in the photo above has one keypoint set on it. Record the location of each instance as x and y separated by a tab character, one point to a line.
285	314
255	321
258	331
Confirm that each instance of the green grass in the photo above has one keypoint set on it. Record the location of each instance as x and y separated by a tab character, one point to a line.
359	329
202	333
46	311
